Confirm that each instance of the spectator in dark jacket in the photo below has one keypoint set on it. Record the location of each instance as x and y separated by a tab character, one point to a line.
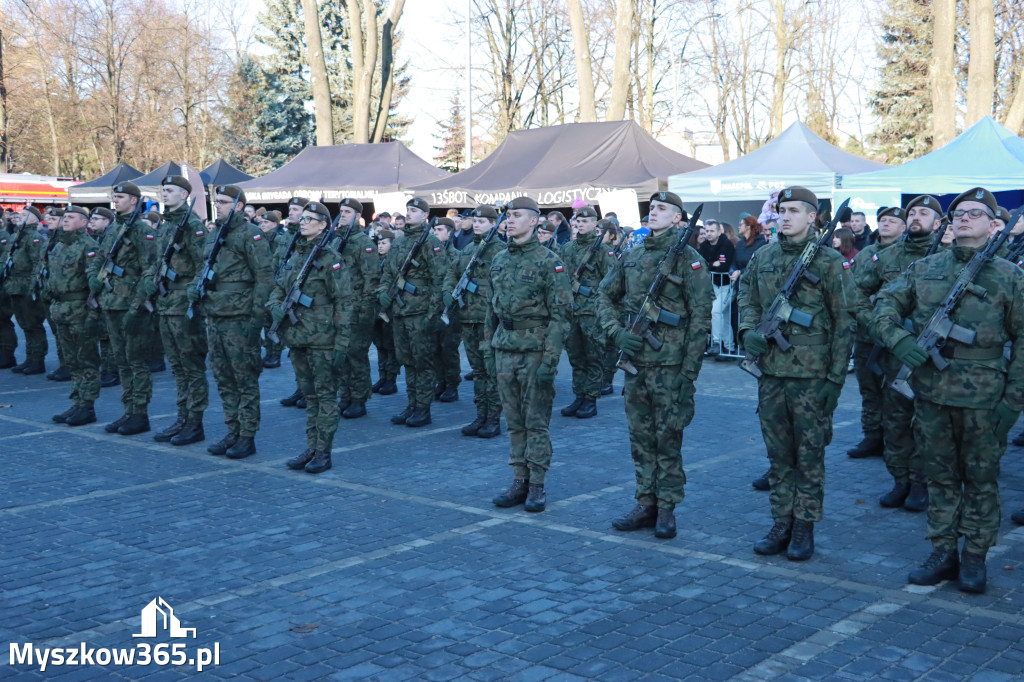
719	253
563	232
751	239
862	234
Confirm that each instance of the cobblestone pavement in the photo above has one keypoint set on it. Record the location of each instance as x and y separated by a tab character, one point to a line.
394	565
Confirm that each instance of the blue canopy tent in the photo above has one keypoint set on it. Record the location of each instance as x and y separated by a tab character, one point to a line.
220	172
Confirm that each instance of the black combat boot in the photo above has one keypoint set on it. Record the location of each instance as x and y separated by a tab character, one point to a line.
191	432
34	367
570	409
449	395
469	376
607	388
221	446
895	497
343	404
320	463
109	379
292	399
587	409
973	575
777	539
156	366
63	416
871	446
917	499
666	526
537	498
389	387
81	416
136	424
301	460
62	373
472	428
113	426
7	361
171	431
272	361
438	390
355	410
420	417
801	546
1018	440
515	495
1018	517
641	516
243	447
943	564
402	416
301	403
491	428
376	386
762	482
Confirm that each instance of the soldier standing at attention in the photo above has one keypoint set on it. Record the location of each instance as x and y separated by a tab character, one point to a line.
278	238
415	322
76	324
184	338
8	337
53	219
474	317
319	341
235	313
965	412
360	258
26	248
448	336
585	344
120	298
99	222
659	399
527	331
291	223
799	389
388	366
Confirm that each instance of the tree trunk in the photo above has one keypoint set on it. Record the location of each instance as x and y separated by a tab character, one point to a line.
981	70
387	70
943	76
362	24
620	71
1015	114
782	45
584	67
318	74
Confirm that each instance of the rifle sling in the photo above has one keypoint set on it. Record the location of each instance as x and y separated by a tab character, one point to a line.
960	352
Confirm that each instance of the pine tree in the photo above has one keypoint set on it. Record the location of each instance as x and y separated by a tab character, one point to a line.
451	153
903	97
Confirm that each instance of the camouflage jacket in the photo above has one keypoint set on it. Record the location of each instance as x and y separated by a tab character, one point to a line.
866	269
624	288
325	323
30	248
426	273
978	375
243	271
880	269
67	284
360	257
601	261
186	260
278	240
138	253
531	298
478	304
822	350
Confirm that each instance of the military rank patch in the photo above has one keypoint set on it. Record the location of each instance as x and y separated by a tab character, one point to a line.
90	254
695	265
336	266
257	237
436	249
559	268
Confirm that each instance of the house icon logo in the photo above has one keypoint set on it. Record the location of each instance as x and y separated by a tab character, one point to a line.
150	620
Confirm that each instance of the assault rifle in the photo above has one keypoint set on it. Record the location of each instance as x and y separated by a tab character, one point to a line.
941	328
164	272
287	254
649	313
586	266
466	282
400	284
348	233
208	277
295	295
110	266
1016	252
9	263
781	310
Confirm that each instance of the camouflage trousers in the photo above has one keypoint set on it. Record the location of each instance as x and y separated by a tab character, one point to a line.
585	346
527	404
61	361
961	453
656	414
30	316
316	377
128	353
414	348
449	369
354	376
107	363
156	341
485	387
77	332
871	390
384	341
796	429
186	351
236	363
608	361
8	337
898	431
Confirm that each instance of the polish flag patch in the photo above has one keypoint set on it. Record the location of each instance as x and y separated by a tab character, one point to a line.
695	265
35	241
90	254
200	233
257	237
336	266
611	253
436	249
559	268
846	265
3	241
150	237
369	250
874	257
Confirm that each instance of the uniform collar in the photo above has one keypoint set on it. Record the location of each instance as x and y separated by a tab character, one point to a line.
527	246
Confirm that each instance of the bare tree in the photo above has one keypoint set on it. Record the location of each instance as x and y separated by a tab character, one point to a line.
943	74
318	74
981	70
584	67
620	73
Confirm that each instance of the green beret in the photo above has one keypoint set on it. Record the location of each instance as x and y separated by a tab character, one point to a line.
103	212
607	224
485	211
272	216
523	203
926	200
152	216
233	191
797	193
1002	214
127	188
586	212
178	181
353	204
978	194
77	209
546	226
668	198
446	221
892	212
34	211
298	201
420	203
55	212
319	209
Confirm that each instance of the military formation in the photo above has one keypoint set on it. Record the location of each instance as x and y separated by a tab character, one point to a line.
930	314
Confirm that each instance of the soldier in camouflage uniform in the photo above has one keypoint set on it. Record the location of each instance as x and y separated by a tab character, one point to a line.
901	457
473	318
53	219
799	389
615	240
291	223
25	249
585	344
8	337
659	399
100	221
75	324
966	411
186	343
448	338
527	331
360	257
383	338
415	322
278	240
235	314
319	341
